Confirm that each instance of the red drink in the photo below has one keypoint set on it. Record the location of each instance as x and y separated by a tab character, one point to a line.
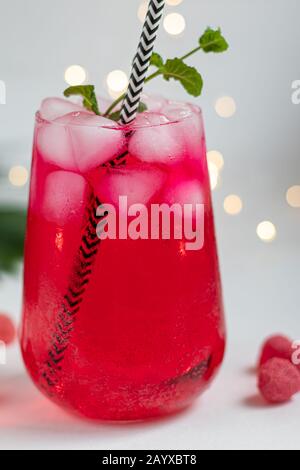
120	329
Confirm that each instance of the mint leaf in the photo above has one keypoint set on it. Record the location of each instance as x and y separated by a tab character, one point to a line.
156	60
142	108
188	76
88	94
213	41
117	114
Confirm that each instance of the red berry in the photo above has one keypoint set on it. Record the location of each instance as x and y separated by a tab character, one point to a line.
296	354
276	346
7	329
279	380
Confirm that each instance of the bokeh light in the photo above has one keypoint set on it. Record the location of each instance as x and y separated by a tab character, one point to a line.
75	75
233	204
18	176
266	231
117	83
174	24
293	196
173	3
225	107
213	175
142	11
214	156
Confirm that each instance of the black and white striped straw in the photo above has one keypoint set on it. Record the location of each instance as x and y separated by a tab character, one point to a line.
88	249
142	61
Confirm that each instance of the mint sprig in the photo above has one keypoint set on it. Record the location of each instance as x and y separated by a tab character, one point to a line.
156	60
88	94
176	69
213	41
188	76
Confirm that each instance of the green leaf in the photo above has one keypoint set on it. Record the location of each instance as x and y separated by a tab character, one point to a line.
88	94
142	107
156	60
12	223
117	114
188	76
213	41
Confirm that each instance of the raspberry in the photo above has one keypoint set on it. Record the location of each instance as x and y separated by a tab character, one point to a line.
296	355
7	329
276	346
279	380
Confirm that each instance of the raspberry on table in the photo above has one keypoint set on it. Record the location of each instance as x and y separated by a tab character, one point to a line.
278	346
278	380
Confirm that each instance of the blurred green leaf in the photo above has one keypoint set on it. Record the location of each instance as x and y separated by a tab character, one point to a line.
12	232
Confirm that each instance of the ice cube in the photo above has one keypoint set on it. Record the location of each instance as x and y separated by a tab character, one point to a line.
95	139
155	140
154	103
55	146
194	136
78	141
148	119
176	110
190	126
53	108
184	192
138	184
64	197
189	194
103	103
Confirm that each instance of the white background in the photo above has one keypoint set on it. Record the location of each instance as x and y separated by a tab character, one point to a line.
260	144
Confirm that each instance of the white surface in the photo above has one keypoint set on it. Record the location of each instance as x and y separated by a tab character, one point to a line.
261	150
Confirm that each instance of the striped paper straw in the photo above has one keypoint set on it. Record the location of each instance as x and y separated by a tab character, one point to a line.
70	305
142	61
88	249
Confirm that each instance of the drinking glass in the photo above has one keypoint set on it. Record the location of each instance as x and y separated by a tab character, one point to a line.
127	326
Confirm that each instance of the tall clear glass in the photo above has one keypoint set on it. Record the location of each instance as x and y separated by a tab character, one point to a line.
129	325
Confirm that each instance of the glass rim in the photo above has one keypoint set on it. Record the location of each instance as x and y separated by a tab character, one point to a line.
126	127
